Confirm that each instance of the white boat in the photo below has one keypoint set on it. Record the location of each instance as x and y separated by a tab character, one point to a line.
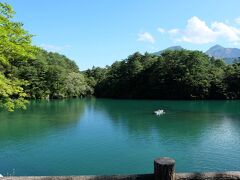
159	112
1	175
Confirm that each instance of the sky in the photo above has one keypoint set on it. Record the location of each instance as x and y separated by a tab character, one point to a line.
99	32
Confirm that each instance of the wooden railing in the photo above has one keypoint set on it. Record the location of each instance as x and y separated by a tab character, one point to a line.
164	169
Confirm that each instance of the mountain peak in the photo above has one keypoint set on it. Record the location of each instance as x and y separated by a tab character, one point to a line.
218	51
172	48
217	46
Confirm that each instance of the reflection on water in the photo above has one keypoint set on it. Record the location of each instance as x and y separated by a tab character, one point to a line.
40	117
184	118
124	135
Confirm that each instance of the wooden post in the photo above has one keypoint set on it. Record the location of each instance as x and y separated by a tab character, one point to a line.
164	169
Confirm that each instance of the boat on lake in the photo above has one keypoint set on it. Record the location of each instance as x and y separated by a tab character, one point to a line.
159	112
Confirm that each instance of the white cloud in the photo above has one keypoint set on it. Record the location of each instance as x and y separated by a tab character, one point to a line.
237	20
146	37
54	48
232	34
198	32
161	30
173	31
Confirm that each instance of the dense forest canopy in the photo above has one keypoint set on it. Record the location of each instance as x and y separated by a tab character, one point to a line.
181	74
52	75
29	72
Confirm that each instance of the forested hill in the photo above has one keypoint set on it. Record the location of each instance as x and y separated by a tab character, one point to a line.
180	74
28	72
52	75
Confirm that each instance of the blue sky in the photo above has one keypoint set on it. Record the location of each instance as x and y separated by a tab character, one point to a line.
99	32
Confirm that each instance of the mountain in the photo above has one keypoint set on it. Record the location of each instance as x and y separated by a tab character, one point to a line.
173	48
228	54
217	51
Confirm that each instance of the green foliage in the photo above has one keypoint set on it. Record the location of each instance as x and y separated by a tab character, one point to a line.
181	74
52	75
173	75
75	85
30	72
11	93
15	47
232	79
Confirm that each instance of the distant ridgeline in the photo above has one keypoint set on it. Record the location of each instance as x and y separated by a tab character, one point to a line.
229	55
173	73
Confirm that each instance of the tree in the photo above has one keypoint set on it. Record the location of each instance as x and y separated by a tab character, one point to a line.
52	75
180	74
35	73
232	80
15	47
76	85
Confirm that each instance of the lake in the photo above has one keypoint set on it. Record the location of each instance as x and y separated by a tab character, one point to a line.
104	136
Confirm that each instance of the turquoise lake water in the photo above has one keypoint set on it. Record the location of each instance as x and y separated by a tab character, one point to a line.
102	136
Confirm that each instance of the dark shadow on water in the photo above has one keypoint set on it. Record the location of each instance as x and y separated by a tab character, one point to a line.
40	117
